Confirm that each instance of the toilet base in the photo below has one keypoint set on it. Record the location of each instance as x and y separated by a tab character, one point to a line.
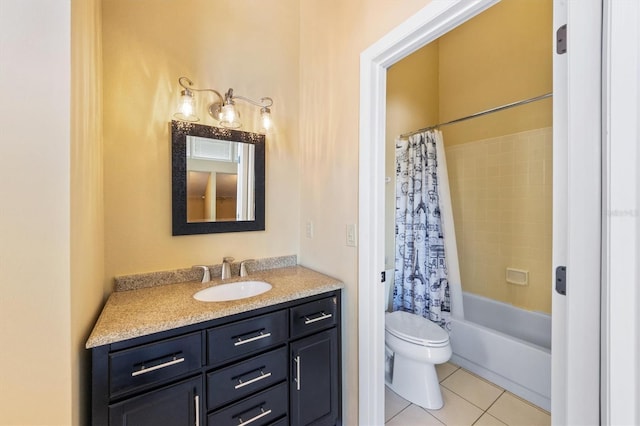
417	382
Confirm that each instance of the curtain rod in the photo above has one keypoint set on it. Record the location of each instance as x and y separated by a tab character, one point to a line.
479	114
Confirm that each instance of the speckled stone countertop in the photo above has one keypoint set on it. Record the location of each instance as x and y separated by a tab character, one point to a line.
135	313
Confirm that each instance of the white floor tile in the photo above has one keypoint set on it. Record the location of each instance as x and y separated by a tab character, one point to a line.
445	370
516	412
393	403
472	388
414	416
456	411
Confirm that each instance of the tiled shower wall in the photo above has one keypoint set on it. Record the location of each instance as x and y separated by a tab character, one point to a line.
501	193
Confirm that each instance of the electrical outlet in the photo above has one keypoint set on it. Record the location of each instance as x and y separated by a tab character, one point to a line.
352	237
309	229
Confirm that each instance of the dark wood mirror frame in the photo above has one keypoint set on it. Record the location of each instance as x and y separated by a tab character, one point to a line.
179	132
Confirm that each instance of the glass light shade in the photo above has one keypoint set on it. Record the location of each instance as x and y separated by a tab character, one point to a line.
229	117
265	120
186	107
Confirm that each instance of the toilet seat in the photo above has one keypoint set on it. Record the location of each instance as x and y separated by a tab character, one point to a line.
415	329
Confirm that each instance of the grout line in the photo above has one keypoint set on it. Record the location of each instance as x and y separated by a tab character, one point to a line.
529	403
470	402
502	393
478	407
493	403
457	367
398	413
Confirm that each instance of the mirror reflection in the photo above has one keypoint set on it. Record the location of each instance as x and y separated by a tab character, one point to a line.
218	179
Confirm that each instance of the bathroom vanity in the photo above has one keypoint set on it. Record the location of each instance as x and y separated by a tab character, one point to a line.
272	359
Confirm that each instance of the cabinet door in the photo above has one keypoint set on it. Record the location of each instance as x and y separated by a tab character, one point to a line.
315	373
175	405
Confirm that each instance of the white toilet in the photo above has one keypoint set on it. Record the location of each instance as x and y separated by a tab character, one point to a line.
414	345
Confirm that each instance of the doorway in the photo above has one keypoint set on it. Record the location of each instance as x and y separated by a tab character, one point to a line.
433	21
491	98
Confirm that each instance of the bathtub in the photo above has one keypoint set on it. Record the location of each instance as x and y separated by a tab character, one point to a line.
508	346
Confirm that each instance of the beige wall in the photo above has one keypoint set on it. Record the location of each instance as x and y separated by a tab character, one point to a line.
333	34
87	207
51	249
35	361
251	46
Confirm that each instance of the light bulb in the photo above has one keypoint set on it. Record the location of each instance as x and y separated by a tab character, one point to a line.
265	119
186	107
229	117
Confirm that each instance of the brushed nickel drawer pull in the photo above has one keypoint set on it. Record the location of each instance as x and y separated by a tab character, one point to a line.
145	370
242	384
252	339
322	316
253	419
196	400
297	378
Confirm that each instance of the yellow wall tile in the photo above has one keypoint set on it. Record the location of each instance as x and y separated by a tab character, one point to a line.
501	194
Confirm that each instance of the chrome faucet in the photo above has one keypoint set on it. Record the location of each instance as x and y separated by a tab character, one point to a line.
226	267
206	276
243	267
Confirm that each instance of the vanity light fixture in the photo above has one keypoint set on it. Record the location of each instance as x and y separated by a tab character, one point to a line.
224	110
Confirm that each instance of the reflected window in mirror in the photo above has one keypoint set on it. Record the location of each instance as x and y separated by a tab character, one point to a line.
218	179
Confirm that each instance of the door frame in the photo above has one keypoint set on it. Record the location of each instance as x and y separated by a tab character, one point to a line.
582	245
434	20
577	214
621	202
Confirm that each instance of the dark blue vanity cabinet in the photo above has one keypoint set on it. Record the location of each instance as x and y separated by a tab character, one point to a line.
278	365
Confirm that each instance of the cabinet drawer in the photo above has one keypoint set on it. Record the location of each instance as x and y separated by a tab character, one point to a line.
313	316
260	409
154	363
282	422
239	380
241	338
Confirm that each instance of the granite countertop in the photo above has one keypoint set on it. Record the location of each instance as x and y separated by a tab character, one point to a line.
135	313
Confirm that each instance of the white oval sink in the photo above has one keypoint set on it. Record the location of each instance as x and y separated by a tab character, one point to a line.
232	291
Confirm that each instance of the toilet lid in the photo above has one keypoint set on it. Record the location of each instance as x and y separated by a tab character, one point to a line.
415	329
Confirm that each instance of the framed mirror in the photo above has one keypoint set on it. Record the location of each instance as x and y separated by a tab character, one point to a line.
217	179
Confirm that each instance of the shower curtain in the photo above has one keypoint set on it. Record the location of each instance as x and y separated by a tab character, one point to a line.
421	279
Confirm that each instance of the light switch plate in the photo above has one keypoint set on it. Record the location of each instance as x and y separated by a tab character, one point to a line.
352	237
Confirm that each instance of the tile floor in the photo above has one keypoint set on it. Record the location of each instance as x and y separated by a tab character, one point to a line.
468	400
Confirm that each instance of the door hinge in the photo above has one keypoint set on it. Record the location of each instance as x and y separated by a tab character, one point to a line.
383	276
561	280
561	40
